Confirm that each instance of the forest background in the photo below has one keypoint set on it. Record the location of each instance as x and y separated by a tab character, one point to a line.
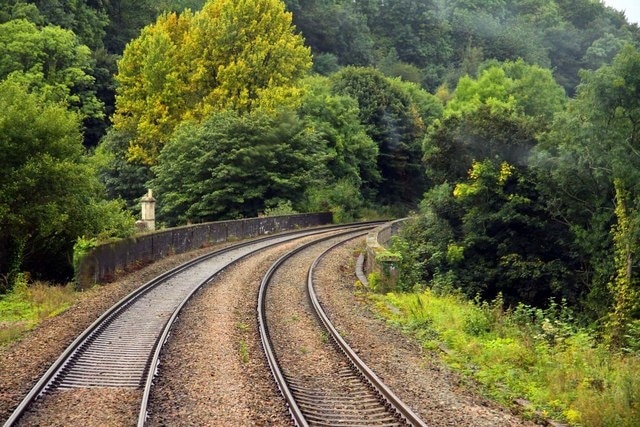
509	129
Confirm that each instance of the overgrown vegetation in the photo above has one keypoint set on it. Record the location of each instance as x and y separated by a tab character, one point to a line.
344	87
29	304
535	354
513	128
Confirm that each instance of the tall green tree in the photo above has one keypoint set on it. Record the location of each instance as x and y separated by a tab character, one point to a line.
334	27
85	18
234	165
52	61
393	121
49	191
499	115
589	167
351	154
238	55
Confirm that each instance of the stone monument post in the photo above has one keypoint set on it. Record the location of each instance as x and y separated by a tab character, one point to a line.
148	207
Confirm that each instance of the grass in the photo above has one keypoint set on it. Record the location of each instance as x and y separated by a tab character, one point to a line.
26	306
526	353
243	350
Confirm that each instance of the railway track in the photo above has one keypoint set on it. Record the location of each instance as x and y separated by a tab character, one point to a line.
351	394
121	349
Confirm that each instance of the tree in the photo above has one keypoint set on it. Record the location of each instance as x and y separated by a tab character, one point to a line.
86	19
233	166
51	61
589	167
49	192
336	28
238	55
499	115
126	19
153	91
350	154
508	242
414	29
392	120
491	234
122	179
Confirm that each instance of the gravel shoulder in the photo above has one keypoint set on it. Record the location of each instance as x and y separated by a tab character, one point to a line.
437	394
218	372
24	361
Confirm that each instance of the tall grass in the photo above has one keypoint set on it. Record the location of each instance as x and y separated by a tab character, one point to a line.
29	304
526	353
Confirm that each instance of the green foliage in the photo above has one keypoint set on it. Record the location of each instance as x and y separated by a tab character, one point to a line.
588	169
86	20
235	165
350	154
531	353
435	42
282	208
123	179
342	198
375	282
499	115
49	60
49	191
237	55
81	248
624	286
393	122
28	304
492	233
336	27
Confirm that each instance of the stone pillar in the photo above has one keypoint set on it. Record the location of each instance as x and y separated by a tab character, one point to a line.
148	207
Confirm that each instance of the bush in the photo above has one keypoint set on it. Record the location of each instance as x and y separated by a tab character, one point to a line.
537	354
343	199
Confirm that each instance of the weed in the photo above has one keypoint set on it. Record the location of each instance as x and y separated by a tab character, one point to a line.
29	304
243	349
531	353
242	326
374	281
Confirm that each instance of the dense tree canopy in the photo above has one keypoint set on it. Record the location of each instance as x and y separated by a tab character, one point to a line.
392	120
49	192
589	166
235	55
498	115
234	165
51	61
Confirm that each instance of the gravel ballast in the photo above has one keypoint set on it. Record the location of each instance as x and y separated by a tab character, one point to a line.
438	395
212	369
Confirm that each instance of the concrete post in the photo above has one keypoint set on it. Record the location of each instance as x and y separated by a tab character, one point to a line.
148	207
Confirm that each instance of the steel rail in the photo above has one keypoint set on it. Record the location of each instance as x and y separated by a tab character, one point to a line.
153	365
400	407
46	381
294	409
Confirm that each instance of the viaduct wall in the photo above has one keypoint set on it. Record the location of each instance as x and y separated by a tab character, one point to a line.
103	263
378	259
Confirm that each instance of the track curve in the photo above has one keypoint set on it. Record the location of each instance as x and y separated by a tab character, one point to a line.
120	349
356	395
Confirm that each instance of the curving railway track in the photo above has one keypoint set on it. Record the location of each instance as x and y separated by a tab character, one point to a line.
121	348
350	394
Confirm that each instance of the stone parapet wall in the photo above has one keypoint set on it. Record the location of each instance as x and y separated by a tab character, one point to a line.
378	259
105	261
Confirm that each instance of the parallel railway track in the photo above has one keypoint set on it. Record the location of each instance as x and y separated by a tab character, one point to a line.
122	347
354	395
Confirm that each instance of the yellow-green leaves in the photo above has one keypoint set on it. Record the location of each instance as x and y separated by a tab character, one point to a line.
232	55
